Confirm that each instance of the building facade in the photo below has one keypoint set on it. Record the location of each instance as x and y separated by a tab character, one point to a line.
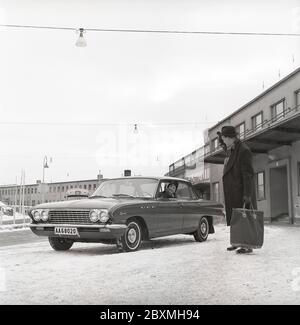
44	192
193	168
270	125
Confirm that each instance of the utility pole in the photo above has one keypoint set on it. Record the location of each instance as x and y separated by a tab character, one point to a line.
15	200
22	193
45	165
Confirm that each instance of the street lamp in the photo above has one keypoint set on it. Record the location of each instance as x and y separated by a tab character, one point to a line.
45	165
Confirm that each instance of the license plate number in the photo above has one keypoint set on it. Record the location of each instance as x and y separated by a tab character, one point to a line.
66	231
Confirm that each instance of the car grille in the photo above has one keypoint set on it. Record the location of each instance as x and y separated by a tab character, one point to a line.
70	217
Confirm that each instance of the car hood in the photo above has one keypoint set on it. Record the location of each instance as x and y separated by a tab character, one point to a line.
96	203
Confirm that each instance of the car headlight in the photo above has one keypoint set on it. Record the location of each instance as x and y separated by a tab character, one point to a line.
99	215
103	217
36	215
45	215
94	215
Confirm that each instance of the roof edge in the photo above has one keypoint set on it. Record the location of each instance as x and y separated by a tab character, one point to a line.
290	75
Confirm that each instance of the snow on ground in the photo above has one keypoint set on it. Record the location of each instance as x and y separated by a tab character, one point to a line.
13	227
171	270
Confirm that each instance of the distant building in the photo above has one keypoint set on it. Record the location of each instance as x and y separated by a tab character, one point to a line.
45	192
270	125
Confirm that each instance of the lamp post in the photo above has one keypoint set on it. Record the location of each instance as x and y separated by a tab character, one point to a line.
45	165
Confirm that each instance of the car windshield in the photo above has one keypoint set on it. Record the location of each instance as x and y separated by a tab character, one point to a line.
131	187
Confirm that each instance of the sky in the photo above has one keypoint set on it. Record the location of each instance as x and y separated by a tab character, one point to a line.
79	106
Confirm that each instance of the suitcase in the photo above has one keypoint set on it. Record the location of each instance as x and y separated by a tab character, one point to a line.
247	228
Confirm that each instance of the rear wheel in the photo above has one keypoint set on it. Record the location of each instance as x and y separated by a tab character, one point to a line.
132	238
201	233
60	244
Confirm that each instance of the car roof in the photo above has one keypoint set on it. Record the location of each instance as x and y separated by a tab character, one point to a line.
159	178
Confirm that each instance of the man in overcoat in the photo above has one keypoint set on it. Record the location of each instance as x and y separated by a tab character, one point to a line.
238	176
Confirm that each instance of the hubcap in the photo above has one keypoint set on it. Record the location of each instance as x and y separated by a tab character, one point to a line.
203	227
131	235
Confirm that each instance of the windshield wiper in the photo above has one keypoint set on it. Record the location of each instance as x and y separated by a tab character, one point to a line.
126	195
97	196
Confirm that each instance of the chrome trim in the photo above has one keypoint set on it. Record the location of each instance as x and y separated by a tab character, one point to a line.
115	226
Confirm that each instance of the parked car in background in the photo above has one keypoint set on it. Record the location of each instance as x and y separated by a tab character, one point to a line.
6	209
77	194
125	211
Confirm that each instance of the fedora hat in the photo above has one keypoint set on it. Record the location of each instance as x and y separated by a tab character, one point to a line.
228	131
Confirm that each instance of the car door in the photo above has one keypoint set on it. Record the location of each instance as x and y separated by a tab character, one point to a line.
168	215
189	206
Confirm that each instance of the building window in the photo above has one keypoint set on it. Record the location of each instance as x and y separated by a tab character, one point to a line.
297	101
215	192
58	188
31	190
95	185
278	110
35	190
84	186
90	187
62	188
240	129
257	122
50	189
214	144
171	169
260	186
206	149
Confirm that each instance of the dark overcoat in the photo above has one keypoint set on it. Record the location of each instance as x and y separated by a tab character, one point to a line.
238	179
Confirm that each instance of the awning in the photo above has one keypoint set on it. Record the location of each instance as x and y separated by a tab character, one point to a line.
282	131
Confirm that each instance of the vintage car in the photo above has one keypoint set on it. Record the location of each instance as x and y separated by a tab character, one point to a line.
6	210
125	211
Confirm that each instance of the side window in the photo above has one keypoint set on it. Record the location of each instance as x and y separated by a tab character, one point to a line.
183	191
162	188
193	194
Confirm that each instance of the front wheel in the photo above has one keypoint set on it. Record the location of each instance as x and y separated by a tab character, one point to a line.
132	238
60	244
201	233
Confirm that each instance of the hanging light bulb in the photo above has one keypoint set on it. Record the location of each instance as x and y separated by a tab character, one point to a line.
81	42
135	130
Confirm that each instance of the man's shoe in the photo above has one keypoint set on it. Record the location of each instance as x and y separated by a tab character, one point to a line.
244	251
231	248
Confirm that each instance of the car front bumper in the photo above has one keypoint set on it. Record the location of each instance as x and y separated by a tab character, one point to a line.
85	232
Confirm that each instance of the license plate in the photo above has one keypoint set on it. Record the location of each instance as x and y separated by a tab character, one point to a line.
66	231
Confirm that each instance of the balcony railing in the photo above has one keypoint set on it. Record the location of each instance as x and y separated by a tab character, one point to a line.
207	150
198	179
265	125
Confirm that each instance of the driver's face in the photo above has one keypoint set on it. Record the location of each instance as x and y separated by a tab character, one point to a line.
172	188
